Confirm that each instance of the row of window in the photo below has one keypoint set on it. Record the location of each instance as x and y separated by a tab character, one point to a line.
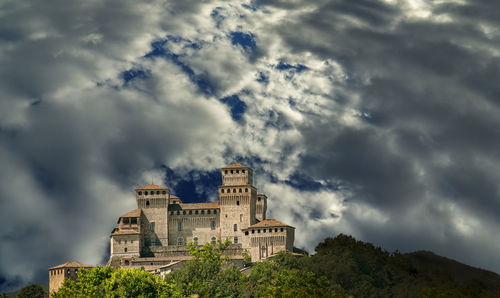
212	225
234	190
191	212
152	192
60	271
264	230
125	241
232	171
131	220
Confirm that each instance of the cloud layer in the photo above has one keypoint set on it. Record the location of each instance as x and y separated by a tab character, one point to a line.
373	118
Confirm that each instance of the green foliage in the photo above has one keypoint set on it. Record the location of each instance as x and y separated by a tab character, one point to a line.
108	282
342	266
32	291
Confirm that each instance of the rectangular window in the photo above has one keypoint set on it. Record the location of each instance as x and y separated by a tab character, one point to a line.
152	225
133	220
235	227
179	226
180	241
212	225
235	240
241	217
125	220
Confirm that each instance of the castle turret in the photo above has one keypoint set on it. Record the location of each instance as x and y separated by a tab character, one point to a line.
153	200
237	198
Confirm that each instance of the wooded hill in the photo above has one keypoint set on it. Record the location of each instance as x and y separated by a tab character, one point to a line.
341	267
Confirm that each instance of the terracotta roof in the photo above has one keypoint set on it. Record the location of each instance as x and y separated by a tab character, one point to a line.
125	232
261	194
152	186
71	265
235	165
213	205
133	213
268	223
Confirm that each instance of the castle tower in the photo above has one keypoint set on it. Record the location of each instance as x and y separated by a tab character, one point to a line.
237	198
58	274
153	200
261	207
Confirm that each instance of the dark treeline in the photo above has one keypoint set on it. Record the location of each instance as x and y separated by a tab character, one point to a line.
341	267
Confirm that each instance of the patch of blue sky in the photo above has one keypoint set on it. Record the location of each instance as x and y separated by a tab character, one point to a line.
249	7
245	40
217	16
263	78
194	186
159	49
132	74
297	68
236	105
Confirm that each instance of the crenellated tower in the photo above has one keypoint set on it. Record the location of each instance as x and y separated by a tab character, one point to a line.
153	200
237	198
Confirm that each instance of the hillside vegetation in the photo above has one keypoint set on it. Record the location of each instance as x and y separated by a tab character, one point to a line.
341	267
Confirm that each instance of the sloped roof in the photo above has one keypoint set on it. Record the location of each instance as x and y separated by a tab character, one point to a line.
188	206
71	265
235	165
152	186
125	232
133	213
268	223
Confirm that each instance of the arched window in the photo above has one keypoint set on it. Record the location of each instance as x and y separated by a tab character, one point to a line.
164	192
67	271
231	171
178	213
127	262
215	211
125	249
225	172
281	229
202	211
195	239
147	203
140	193
237	203
145	193
214	241
258	199
240	190
276	230
234	190
222	190
243	171
196	212
180	241
246	189
270	230
237	171
157	192
184	212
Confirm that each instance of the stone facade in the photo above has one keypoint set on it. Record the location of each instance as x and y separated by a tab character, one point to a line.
58	274
155	235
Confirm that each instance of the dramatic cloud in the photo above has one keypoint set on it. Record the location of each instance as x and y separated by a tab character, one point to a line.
373	118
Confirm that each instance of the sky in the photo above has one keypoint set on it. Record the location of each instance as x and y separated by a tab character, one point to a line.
374	118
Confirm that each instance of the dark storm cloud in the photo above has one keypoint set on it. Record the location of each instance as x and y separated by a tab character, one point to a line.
430	134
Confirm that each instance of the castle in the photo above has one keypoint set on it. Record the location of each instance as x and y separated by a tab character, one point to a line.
154	236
